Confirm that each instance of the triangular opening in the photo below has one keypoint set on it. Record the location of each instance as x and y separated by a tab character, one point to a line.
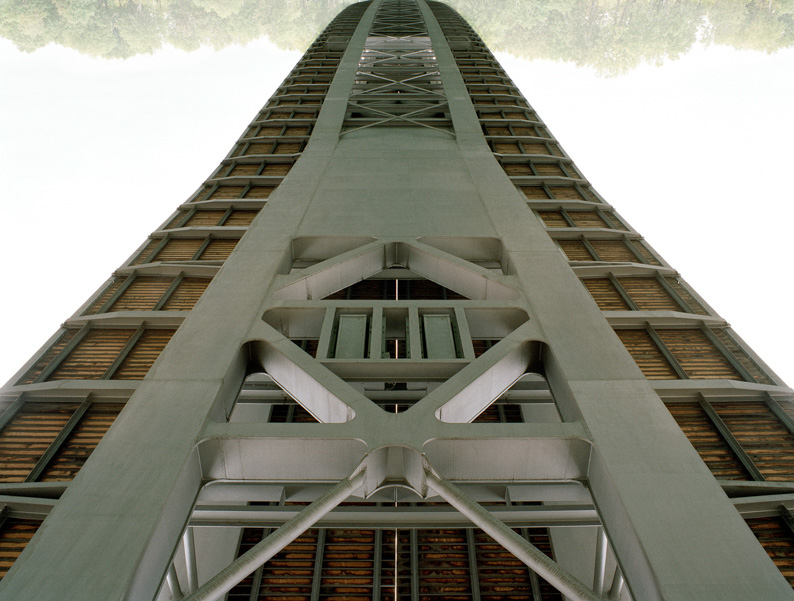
528	400
512	377
396	284
262	400
487	253
430	274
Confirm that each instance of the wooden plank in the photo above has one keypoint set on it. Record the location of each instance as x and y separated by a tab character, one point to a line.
699	358
500	574
763	437
613	250
143	256
28	435
649	294
647	355
535	148
178	218
227	192
605	294
778	541
79	445
288	148
205	218
186	294
240	218
142	294
143	354
738	352
444	565
643	251
566	193
553	219
587	219
617	223
503	147
549	170
525	131
276	169
15	535
288	575
109	291
704	436
95	352
396	566
49	355
518	169
244	169
575	250
179	249
347	565
259	192
218	250
534	192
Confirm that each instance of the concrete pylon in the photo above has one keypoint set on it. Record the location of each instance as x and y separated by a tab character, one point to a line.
397	290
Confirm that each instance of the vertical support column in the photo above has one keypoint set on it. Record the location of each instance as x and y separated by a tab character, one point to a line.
128	537
189	543
600	561
465	334
377	561
474	576
326	332
376	334
414	544
414	334
173	583
650	486
317	574
256	578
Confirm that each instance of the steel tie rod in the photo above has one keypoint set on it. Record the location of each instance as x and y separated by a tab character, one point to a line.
526	552
263	551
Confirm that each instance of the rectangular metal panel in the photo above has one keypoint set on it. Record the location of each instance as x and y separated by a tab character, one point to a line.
439	339
351	338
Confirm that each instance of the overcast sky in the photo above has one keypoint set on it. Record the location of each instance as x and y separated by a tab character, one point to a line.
97	153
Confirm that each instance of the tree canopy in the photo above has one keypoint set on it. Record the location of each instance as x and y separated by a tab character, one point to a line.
611	36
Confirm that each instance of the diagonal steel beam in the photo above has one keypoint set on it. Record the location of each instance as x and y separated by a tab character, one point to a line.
263	551
525	551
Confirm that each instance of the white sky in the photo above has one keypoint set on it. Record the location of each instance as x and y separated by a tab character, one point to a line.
95	154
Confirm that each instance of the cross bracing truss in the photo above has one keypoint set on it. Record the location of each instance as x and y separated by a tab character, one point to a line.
395	459
397	355
398	81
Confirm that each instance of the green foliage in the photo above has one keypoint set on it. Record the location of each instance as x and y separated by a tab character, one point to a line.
611	36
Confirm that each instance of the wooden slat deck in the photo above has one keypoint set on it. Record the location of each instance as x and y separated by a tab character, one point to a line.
647	355
93	355
142	356
649	294
708	442
79	445
50	354
763	437
28	435
348	564
186	294
142	294
105	296
697	355
605	294
14	537
778	541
